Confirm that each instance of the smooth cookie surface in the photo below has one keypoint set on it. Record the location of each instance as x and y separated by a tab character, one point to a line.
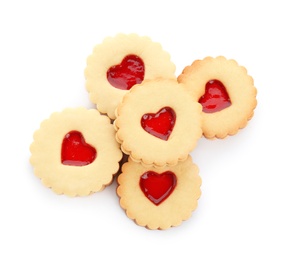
226	91
120	62
74	152
159	199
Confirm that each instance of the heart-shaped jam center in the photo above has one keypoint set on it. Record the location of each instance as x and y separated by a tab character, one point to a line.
158	186
215	98
159	124
75	151
128	73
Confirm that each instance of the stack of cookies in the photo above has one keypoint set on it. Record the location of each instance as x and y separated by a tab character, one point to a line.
149	116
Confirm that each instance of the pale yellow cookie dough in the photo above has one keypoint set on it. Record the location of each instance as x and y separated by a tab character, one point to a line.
111	52
74	180
172	211
150	97
239	85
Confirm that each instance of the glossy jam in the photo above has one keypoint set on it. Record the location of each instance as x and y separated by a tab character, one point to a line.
215	98
75	151
128	73
159	124
158	186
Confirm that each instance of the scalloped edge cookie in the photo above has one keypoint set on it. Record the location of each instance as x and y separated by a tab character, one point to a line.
75	180
239	85
177	208
150	97
111	52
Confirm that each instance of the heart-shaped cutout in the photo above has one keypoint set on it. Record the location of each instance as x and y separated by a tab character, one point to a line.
159	124
129	72
215	98
75	151
158	186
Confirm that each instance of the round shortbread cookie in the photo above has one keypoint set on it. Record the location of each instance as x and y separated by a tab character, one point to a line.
74	152
226	92
158	123
120	62
159	199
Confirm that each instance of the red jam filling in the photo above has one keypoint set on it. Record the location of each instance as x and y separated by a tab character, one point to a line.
157	187
75	151
128	73
159	124
215	98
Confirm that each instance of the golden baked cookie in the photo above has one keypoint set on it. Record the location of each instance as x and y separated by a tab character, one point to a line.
74	152
120	62
158	123
159	199
225	91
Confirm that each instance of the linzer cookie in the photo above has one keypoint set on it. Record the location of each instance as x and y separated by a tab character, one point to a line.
74	152
159	199
225	91
120	62
158	123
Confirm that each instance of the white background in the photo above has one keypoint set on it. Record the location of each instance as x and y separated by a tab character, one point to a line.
246	207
